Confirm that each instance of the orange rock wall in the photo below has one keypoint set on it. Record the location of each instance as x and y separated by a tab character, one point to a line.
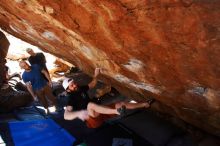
168	49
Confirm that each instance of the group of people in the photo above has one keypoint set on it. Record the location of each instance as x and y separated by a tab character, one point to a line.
79	105
37	78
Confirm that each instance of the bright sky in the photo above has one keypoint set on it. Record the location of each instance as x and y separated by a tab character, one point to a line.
18	48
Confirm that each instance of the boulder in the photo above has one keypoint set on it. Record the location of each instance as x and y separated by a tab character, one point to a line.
168	49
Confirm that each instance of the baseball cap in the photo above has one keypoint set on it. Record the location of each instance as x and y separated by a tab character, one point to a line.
66	82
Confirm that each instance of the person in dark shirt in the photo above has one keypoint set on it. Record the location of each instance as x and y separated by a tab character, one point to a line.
80	105
37	58
36	84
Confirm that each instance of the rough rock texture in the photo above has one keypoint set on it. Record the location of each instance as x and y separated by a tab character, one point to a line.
168	49
4	44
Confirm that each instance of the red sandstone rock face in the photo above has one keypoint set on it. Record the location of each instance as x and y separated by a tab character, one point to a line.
4	44
166	48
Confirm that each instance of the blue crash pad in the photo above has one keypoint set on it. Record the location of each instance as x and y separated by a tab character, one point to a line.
39	133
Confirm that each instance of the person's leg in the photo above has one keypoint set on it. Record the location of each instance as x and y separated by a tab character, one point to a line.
94	110
132	105
49	95
42	99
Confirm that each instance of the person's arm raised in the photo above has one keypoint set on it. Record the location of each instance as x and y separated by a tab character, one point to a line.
93	83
